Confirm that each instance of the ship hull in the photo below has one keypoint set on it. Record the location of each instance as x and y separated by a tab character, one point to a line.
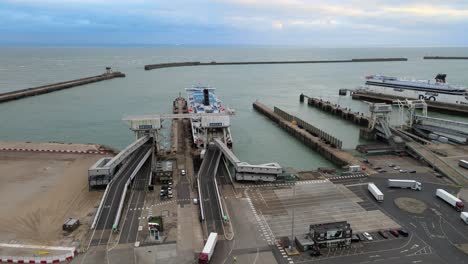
455	99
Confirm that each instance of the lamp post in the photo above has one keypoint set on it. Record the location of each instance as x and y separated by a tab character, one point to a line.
291	247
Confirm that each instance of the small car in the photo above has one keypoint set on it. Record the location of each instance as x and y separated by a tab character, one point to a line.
315	253
403	171
170	196
381	171
195	201
391	165
412	171
383	234
182	172
355	238
403	232
377	168
394	232
368	236
396	168
361	237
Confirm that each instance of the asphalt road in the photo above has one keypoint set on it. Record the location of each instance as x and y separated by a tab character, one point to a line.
213	218
130	221
111	203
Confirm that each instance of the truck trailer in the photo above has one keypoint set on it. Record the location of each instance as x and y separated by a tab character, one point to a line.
208	249
450	199
407	184
378	195
464	217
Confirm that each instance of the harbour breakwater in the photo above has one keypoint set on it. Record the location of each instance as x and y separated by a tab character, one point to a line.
214	63
23	93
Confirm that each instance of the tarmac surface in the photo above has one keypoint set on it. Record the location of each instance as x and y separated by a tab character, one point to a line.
212	213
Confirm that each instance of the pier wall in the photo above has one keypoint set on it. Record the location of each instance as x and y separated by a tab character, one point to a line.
344	113
19	94
444	58
213	63
432	105
337	156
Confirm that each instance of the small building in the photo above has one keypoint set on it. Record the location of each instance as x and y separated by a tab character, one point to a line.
304	242
336	234
163	170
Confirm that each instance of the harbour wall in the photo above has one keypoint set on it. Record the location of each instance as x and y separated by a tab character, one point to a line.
213	63
444	58
23	93
336	156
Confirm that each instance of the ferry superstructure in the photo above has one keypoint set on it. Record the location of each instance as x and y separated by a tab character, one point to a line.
437	90
204	100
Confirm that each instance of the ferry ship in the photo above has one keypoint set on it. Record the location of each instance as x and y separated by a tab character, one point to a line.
204	100
438	90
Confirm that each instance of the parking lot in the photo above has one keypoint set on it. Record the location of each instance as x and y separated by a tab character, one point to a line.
317	202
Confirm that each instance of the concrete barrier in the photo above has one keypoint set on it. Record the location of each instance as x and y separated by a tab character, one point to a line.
72	252
55	151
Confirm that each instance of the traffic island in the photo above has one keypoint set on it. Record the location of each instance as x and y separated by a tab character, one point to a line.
410	205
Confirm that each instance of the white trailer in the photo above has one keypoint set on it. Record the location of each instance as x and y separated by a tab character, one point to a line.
408	184
464	217
208	249
463	164
450	199
378	195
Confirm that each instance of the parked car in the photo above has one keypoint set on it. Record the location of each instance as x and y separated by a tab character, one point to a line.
195	201
412	171
182	172
403	232
382	171
391	165
361	237
170	196
368	236
355	238
396	168
383	234
394	232
315	253
377	168
403	171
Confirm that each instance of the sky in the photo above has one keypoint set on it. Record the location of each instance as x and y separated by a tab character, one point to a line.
235	22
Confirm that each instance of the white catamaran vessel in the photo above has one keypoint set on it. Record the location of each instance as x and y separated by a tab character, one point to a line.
438	91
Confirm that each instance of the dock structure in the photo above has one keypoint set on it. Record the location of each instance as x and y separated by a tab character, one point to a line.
433	105
337	156
23	93
213	63
344	113
445	58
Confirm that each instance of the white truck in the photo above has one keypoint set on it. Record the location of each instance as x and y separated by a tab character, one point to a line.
208	249
450	199
378	195
464	217
407	184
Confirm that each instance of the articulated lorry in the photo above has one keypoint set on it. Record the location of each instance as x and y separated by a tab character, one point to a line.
208	249
378	195
450	199
407	184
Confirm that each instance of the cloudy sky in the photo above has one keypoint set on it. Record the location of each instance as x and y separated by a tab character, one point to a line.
233	22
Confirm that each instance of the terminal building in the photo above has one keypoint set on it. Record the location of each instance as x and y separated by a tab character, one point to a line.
163	171
337	234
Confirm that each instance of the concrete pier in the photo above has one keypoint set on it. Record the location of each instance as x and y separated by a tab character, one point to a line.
344	113
432	105
444	58
337	156
213	63
19	94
